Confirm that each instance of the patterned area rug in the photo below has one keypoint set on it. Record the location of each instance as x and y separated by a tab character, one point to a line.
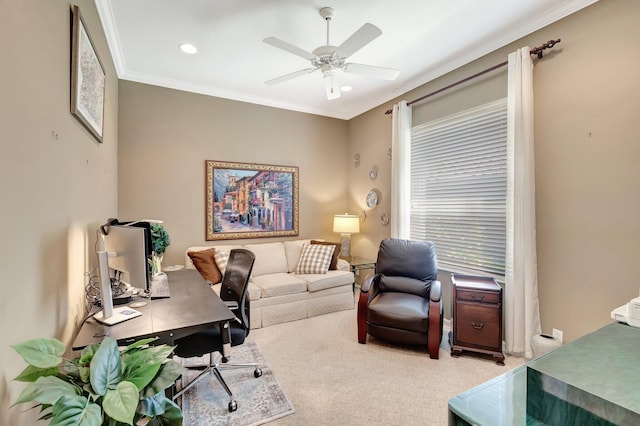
259	400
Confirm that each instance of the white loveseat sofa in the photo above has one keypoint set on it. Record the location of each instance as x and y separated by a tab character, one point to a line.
278	294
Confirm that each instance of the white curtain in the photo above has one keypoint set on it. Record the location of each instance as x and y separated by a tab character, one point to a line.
522	314
401	170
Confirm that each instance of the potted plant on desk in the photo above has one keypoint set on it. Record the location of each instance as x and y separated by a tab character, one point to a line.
103	386
160	241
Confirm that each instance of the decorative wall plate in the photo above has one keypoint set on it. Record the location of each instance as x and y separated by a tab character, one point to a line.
362	216
356	160
373	173
384	219
372	198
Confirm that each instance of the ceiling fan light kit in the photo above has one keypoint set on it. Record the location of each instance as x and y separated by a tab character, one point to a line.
330	59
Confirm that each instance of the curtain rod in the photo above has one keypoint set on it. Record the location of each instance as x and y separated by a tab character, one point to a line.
535	51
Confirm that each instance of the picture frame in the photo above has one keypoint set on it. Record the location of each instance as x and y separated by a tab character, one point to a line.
87	78
246	200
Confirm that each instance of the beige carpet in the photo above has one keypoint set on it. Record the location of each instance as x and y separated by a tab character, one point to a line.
331	379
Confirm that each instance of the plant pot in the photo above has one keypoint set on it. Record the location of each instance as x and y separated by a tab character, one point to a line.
156	264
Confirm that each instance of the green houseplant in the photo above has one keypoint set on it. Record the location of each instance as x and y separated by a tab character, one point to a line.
159	238
160	241
104	386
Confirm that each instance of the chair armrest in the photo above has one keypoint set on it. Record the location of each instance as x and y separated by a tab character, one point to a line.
435	294
366	283
231	304
436	311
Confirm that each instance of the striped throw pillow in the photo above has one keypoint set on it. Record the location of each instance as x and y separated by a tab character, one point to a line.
221	257
315	259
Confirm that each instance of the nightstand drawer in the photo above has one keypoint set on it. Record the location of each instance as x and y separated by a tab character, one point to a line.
478	296
478	325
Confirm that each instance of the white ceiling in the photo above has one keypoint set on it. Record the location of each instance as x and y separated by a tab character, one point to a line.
422	38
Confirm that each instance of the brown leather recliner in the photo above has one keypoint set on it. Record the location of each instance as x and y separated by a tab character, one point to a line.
402	302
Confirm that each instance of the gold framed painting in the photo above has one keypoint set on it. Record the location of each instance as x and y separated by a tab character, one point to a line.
246	200
87	78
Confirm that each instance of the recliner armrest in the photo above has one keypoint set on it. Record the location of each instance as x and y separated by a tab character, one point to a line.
435	294
366	284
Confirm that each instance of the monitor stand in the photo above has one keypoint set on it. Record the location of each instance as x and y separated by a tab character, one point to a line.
122	299
121	313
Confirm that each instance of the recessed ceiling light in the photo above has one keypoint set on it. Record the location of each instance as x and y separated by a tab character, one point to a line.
346	88
188	48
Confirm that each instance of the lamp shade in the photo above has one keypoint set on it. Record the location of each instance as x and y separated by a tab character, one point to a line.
346	223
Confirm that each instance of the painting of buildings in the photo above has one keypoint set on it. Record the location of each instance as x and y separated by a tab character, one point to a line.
249	201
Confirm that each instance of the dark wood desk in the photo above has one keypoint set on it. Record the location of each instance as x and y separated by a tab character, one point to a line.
192	307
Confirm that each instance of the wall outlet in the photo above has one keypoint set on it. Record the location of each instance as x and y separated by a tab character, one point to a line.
557	334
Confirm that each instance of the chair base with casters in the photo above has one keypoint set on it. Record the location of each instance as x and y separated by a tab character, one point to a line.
402	302
214	367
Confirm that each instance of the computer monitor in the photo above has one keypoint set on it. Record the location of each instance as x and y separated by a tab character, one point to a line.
129	247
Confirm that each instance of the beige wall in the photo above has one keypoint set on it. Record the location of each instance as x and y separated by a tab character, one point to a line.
587	161
166	135
57	182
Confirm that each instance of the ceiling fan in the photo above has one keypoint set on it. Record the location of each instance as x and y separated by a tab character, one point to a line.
330	59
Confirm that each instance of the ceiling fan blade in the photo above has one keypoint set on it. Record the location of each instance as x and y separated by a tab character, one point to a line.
331	86
372	71
276	42
290	76
358	40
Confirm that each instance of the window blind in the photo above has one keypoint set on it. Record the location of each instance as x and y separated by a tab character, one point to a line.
459	186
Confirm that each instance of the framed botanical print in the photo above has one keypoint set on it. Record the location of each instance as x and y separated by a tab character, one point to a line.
87	78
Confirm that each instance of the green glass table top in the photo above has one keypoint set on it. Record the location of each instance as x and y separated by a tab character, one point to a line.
604	364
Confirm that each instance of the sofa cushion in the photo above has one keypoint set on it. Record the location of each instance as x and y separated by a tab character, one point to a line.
315	259
187	260
336	252
205	264
318	282
293	250
221	257
254	292
279	284
270	258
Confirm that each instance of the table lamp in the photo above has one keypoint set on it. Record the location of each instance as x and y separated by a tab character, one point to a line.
346	224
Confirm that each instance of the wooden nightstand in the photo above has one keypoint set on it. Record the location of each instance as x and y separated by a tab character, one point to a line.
477	316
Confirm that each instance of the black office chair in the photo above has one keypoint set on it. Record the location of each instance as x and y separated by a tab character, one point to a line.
234	293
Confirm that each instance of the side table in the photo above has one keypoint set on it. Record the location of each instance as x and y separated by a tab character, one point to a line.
477	316
360	264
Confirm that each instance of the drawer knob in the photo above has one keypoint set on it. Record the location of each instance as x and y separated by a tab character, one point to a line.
477	297
477	325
